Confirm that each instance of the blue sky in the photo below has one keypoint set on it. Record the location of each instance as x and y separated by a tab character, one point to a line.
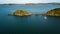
27	1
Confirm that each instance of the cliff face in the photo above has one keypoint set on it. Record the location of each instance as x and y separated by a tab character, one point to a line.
54	12
21	13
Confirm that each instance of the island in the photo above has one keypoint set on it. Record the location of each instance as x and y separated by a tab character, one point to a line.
30	4
37	13
21	13
53	12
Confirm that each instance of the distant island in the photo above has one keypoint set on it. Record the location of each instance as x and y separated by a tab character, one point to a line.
53	12
33	4
21	13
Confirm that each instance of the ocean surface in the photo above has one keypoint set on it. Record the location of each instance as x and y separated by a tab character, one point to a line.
30	24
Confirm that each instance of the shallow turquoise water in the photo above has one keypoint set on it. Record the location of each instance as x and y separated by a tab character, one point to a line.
30	24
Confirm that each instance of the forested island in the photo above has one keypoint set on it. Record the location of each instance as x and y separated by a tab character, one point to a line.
53	12
21	13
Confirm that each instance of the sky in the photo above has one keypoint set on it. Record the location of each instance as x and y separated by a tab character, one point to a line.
27	1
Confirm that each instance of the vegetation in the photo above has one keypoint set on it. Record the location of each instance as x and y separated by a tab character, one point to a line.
21	13
37	14
54	12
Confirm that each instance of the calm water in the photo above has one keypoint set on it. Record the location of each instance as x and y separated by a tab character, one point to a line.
30	24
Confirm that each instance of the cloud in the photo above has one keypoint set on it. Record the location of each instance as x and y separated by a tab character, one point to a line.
19	1
27	1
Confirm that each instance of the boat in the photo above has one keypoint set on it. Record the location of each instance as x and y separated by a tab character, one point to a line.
45	17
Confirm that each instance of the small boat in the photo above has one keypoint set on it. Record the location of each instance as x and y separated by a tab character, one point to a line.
45	17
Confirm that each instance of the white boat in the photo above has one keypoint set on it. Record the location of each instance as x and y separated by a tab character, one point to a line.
45	17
